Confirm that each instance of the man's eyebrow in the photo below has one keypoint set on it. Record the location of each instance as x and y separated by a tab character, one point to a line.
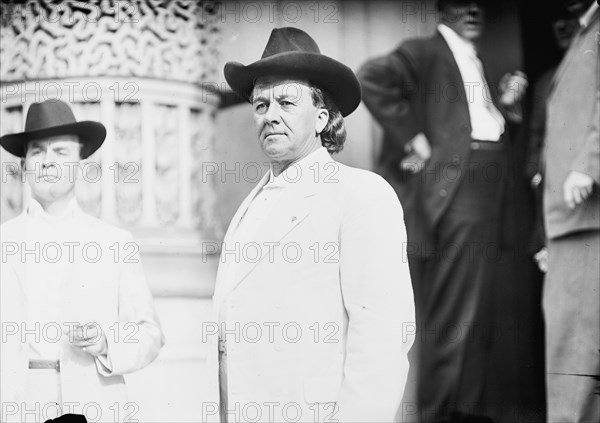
285	96
281	96
259	98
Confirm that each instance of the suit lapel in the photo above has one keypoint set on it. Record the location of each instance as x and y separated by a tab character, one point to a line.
564	64
573	49
235	221
291	210
229	239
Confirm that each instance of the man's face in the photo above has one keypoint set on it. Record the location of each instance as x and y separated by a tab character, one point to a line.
51	165
286	119
465	18
578	7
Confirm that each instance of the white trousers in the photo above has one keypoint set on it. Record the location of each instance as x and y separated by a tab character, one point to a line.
42	396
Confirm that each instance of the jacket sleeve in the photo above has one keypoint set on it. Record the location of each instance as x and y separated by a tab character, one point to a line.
136	339
588	159
390	84
378	297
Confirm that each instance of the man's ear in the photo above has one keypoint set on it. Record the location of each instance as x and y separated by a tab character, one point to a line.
82	150
321	120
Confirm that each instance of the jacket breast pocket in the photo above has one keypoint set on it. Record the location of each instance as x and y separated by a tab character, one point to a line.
321	389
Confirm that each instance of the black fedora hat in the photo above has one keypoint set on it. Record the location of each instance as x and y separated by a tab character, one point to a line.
50	118
291	52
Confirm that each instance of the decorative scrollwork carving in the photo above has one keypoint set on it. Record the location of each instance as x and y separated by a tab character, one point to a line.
166	39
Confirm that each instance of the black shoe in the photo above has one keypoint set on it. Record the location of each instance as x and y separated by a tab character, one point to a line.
68	418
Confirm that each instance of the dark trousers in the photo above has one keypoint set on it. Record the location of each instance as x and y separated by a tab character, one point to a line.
455	297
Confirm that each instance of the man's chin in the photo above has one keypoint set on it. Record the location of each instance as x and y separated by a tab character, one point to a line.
273	148
48	191
472	32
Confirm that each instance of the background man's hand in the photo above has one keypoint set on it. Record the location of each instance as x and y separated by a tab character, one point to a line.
419	151
541	258
577	187
513	88
90	338
536	180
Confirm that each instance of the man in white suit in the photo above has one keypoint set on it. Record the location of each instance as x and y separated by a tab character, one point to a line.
313	305
76	311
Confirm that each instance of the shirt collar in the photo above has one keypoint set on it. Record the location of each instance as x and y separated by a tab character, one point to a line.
293	173
36	211
585	19
457	44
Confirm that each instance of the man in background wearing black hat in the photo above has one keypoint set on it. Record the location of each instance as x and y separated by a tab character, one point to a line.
76	311
445	154
315	314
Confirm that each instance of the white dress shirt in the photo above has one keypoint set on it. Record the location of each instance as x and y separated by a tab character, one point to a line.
487	123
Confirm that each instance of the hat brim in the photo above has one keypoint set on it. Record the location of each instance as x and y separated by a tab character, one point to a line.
91	134
322	71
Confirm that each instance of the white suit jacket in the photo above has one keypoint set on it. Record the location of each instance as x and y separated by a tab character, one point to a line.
319	321
111	291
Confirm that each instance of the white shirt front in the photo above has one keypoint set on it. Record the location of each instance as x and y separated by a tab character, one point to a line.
487	123
48	269
585	19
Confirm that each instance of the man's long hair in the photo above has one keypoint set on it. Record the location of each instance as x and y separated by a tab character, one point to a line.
333	135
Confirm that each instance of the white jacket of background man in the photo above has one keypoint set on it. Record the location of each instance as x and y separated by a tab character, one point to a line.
103	283
319	303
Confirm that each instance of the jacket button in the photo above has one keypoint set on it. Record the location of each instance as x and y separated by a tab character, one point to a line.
443	193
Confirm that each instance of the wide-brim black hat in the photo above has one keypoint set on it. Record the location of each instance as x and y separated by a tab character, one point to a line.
50	118
291	52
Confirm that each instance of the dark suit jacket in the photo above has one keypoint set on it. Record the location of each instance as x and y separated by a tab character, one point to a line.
418	88
572	134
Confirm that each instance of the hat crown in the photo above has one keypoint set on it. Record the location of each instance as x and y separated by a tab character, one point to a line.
48	114
285	40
